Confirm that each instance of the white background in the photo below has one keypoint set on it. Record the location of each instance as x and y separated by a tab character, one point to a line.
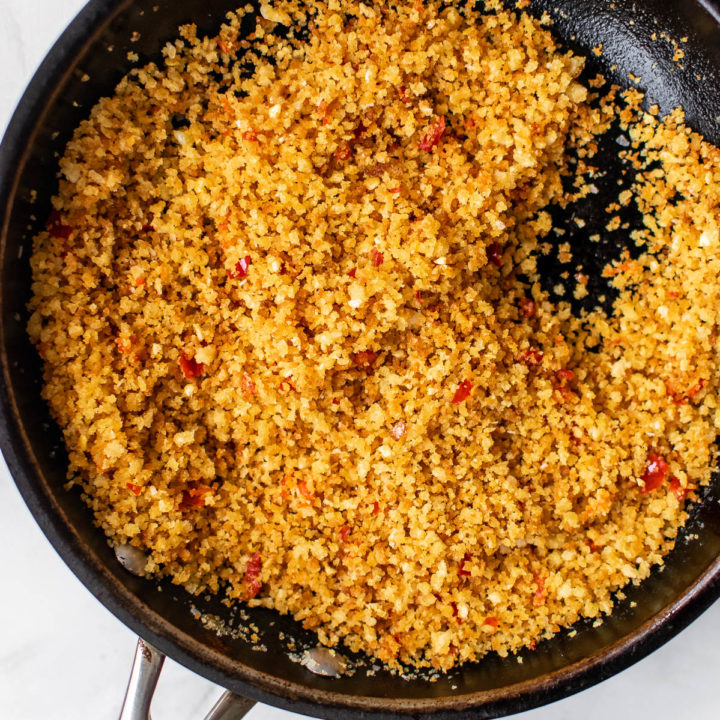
64	657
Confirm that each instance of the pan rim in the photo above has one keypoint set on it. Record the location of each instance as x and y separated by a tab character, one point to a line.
182	647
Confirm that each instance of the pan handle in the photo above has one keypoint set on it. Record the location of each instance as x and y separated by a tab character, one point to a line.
143	679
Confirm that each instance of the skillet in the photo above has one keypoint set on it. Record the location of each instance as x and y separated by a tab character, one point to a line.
96	44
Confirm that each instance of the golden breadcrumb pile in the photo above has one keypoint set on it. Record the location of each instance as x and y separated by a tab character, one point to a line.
294	333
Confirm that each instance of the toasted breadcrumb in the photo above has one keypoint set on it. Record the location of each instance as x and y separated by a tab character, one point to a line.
284	335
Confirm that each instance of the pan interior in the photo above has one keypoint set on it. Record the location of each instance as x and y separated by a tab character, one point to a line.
625	31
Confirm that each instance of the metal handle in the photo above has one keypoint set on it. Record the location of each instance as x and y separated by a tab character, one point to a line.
143	679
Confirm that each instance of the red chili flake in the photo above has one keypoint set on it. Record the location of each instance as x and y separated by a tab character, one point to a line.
491	621
433	135
247	386
252	575
376	507
288	382
395	190
695	389
655	472
344	532
305	491
398	430
679	491
594	546
224	47
564	374
241	268
352	273
534	128
190	367
541	592
194	497
532	644
403	95
140	281
566	394
134	489
463	392
250	135
527	307
455	613
324	110
493	254
147	228
343	153
533	356
365	358
462	570
56	227
418	296
125	345
377	257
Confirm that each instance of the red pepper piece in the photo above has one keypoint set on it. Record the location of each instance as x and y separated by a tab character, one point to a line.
433	135
402	94
564	374
134	489
251	135
194	497
491	621
344	532
376	507
352	273
252	575
365	358
247	386
286	385
455	613
56	227
462	570
527	307
241	268
655	473
463	392
418	296
395	190
305	491
147	228
494	255
190	367
533	356
377	257
343	153
678	490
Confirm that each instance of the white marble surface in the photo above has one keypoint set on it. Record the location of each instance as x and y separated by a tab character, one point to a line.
64	657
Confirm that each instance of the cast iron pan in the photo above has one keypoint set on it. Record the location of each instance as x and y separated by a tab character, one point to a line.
96	44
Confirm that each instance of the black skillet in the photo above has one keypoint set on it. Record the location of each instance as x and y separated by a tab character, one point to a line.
96	44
